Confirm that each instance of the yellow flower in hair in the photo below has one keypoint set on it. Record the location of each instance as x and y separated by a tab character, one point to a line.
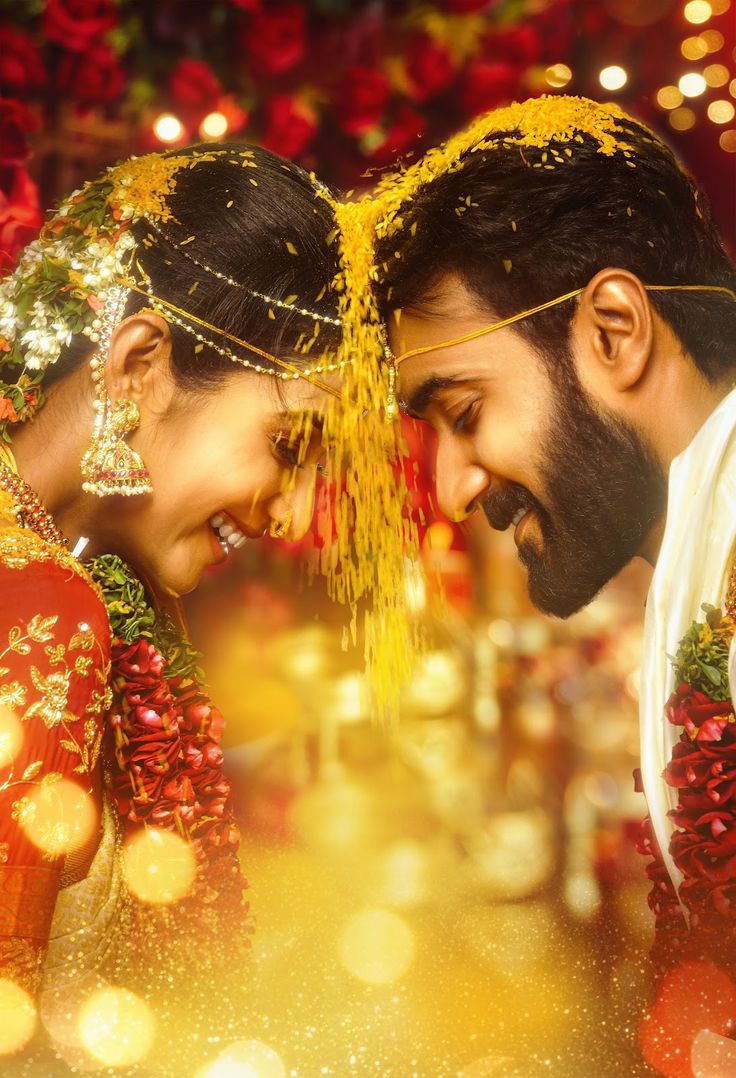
142	186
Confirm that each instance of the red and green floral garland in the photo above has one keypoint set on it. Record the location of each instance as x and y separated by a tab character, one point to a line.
163	747
703	770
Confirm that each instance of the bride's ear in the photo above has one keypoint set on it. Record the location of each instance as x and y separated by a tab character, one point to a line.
138	365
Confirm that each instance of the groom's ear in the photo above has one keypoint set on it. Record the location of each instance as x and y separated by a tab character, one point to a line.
613	333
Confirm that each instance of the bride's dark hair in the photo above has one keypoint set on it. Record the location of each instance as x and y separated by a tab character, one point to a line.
261	221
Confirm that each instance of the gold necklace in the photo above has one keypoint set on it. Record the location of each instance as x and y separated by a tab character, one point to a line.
29	511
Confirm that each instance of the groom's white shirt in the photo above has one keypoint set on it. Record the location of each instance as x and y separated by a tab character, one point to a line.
692	569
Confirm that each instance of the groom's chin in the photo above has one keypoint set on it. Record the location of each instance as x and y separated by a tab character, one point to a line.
559	594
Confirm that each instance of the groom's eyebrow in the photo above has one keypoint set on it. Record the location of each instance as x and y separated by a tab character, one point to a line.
425	392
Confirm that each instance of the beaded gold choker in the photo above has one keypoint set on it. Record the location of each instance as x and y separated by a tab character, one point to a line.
29	511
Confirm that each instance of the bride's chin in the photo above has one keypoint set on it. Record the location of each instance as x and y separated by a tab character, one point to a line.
178	575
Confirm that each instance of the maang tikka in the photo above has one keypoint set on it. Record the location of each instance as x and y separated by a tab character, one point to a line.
110	466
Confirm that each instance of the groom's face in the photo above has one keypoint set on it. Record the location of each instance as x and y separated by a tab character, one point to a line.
520	439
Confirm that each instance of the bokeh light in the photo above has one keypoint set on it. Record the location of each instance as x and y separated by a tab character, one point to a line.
698	11
721	112
116	1027
501	633
160	866
692	84
613	77
438	683
245	1059
694	48
716	74
168	128
11	736
512	855
18	1019
406	870
558	75
376	946
713	1055
334	814
213	126
727	141
691	997
58	816
720	7
582	894
714	40
682	119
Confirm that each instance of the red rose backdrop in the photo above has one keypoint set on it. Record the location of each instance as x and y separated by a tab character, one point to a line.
343	87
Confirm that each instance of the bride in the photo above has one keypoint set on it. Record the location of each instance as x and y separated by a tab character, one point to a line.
167	352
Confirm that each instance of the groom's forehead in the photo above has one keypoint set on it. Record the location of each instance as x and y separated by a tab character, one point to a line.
448	312
447	295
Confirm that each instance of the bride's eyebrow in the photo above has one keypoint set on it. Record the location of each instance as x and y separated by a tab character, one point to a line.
316	418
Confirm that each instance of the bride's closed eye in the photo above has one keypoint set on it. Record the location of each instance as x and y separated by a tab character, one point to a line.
288	448
295	450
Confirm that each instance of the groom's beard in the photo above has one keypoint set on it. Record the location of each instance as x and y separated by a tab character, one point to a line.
604	492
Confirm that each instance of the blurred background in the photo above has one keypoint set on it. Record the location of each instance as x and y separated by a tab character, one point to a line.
459	896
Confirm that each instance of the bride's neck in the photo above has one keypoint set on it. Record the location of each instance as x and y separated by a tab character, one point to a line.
49	448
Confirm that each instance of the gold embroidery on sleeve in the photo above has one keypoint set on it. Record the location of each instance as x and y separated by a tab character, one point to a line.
51	701
13	694
52	707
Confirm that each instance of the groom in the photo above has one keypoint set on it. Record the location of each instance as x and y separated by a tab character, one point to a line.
559	307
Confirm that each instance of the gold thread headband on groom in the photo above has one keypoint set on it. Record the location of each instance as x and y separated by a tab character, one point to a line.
394	361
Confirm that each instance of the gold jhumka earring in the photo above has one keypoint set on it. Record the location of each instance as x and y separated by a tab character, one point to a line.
110	465
279	529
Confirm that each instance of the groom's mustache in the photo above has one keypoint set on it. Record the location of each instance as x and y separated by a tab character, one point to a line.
502	503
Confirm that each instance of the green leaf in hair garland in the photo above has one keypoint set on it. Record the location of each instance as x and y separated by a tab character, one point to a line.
132	616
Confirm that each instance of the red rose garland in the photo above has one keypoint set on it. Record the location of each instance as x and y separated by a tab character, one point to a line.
164	757
168	769
703	770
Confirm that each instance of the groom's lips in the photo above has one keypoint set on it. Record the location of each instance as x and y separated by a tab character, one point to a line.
502	509
522	526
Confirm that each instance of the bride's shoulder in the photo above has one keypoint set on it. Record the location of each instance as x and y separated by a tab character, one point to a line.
37	573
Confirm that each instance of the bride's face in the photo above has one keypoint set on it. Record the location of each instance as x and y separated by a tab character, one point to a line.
224	465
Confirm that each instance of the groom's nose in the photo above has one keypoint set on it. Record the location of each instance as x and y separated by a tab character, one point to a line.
461	480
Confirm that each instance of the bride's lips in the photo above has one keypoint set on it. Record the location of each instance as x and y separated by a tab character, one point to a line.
218	551
227	534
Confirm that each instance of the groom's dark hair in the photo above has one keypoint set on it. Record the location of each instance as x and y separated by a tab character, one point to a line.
520	229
